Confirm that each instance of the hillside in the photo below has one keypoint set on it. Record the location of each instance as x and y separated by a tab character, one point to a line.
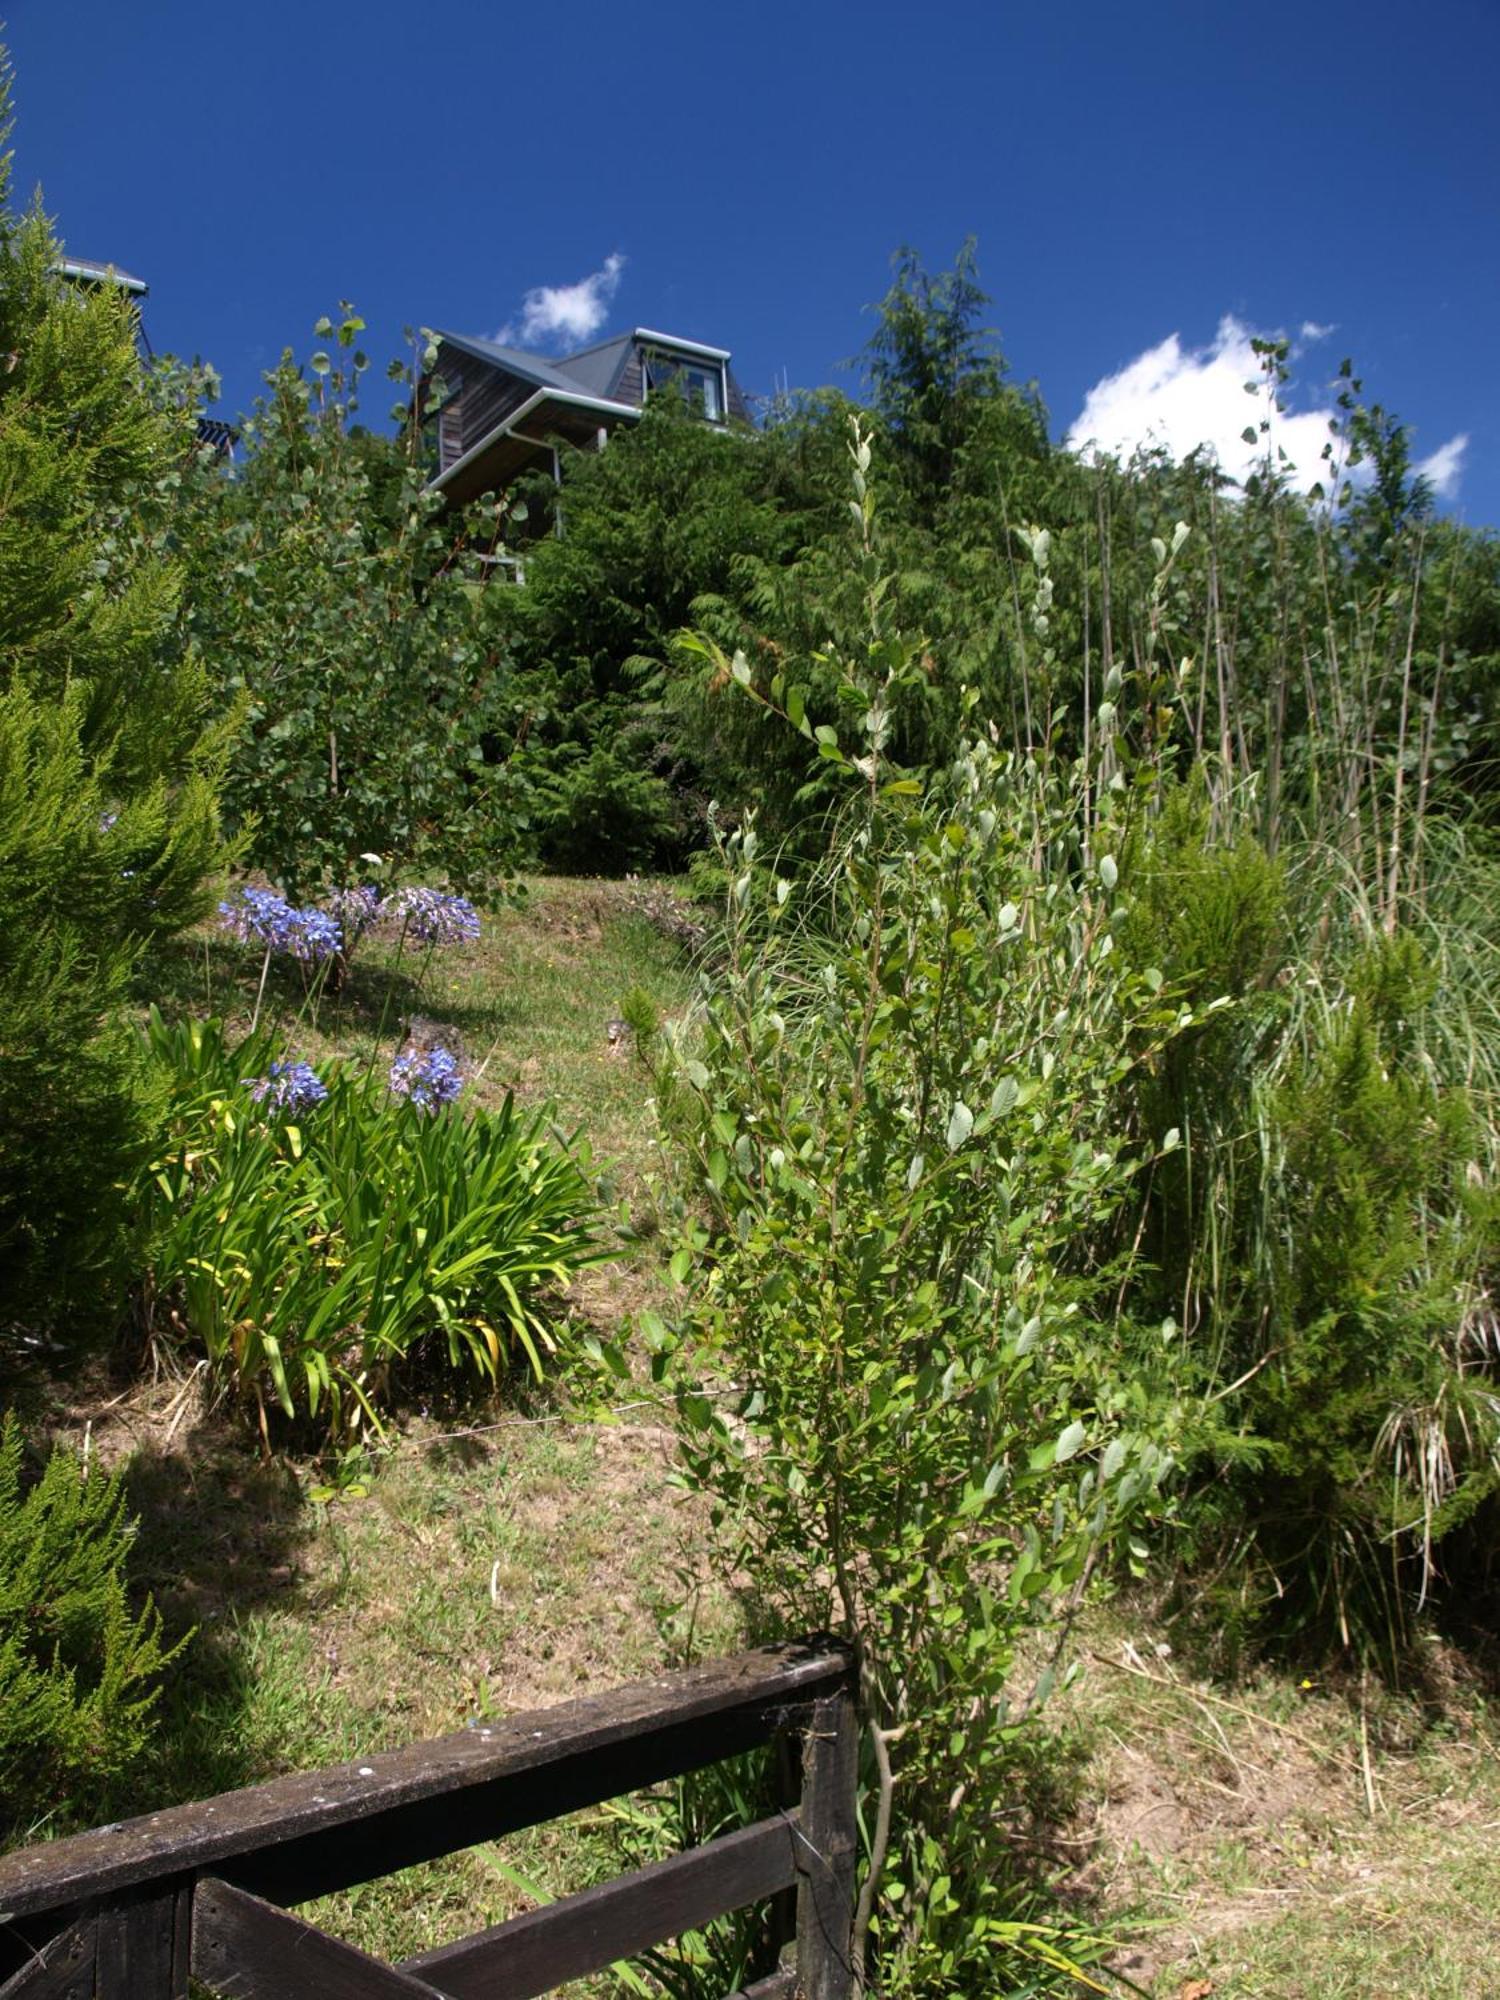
1255	1836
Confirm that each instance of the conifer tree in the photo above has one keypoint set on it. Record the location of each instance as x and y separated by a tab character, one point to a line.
108	823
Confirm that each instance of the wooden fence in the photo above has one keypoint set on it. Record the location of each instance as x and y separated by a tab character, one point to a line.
133	1911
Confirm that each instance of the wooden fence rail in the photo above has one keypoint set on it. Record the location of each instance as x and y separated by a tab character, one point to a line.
133	1911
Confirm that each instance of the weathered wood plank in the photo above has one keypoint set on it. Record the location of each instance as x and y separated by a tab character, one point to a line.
142	1946
244	1949
826	1857
62	1969
317	1831
581	1934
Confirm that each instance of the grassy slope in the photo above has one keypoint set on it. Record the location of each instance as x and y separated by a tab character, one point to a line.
539	1555
1259	1838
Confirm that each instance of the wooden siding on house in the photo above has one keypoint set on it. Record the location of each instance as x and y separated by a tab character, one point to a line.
488	398
629	383
450	436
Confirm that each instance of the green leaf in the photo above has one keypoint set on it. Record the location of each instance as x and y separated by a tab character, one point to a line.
1070	1443
1004	1096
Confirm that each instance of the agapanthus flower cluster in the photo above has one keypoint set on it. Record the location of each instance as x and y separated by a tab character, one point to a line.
262	917
355	911
433	917
287	1086
428	1078
258	916
314	935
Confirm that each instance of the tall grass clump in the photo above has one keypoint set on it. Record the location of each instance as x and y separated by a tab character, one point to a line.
1326	1236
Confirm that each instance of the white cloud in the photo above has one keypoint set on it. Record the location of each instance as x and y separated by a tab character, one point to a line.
566	313
1313	329
1444	468
1184	398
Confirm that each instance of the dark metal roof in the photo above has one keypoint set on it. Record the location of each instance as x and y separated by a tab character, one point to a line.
530	367
596	369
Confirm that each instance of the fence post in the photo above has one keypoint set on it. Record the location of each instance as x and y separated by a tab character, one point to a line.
144	1945
826	1849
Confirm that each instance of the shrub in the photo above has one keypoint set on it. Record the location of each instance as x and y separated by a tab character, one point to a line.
599	814
904	1120
311	1233
78	1667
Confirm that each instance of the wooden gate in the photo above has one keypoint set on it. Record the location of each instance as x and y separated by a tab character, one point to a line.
132	1911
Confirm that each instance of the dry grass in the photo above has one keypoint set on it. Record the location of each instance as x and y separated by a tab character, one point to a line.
540	1556
1277	1838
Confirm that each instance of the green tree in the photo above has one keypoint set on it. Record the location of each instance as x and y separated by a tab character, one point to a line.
618	765
937	380
350	623
903	1127
108	824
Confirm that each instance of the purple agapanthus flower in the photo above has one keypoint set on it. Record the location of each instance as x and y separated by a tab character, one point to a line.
262	917
434	917
312	935
259	916
355	911
287	1086
428	1078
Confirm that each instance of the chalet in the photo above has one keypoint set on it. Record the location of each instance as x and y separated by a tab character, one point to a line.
505	412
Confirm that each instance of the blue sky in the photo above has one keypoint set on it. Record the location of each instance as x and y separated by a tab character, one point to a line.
1148	185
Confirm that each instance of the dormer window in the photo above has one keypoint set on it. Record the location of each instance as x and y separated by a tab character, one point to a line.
699	378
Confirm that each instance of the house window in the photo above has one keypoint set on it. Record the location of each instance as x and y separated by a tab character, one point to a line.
701	382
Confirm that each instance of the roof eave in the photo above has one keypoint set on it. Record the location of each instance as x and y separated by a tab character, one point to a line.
687	346
93	273
504	429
